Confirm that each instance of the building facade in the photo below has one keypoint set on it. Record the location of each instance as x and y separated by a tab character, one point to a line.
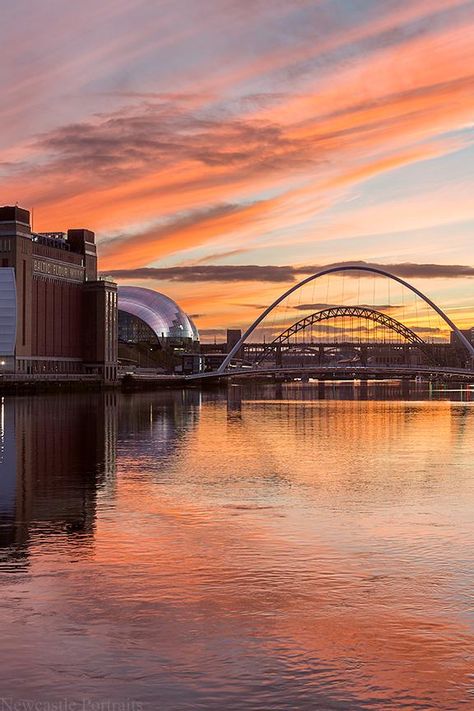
56	316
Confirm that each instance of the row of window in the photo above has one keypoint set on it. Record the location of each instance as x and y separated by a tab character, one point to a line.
49	366
65	367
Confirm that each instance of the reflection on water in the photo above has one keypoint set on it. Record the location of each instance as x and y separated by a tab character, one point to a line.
55	452
294	546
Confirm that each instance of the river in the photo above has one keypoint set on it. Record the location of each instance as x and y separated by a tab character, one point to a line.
279	547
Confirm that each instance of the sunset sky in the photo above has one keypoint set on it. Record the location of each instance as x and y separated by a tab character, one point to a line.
232	146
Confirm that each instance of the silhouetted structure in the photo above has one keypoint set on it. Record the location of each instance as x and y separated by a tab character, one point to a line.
56	316
153	329
55	452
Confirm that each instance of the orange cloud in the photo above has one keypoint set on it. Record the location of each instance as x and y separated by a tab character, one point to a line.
188	231
249	152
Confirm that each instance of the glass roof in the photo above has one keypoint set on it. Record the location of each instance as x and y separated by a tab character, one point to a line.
161	313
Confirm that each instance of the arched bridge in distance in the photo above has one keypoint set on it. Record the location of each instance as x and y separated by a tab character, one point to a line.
269	361
360	312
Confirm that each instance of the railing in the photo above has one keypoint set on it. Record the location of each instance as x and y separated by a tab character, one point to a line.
355	371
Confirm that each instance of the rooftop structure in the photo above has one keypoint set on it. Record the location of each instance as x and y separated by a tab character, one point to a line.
145	314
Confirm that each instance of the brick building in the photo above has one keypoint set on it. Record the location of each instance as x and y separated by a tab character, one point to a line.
56	316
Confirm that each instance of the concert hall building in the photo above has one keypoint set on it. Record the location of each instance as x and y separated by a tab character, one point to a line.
56	316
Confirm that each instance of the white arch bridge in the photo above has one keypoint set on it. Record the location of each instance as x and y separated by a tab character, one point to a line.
268	361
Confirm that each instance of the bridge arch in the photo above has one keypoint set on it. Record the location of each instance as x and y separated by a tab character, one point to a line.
333	270
352	311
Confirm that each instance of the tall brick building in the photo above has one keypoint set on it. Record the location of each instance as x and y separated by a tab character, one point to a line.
55	315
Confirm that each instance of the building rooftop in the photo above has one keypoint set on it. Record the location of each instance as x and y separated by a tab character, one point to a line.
158	311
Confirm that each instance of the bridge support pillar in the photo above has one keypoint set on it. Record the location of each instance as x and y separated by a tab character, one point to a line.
406	354
278	358
321	354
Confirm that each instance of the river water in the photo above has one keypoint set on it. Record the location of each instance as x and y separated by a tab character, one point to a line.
280	547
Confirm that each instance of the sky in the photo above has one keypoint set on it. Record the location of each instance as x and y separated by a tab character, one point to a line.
223	149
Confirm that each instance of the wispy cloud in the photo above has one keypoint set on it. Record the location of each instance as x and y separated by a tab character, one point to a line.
270	273
207	131
192	229
206	273
322	306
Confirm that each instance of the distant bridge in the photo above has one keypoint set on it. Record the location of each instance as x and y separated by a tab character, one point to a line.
339	372
137	381
359	312
261	366
346	360
338	269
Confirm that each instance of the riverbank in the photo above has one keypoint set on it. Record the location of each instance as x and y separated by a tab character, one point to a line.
29	384
18	384
136	382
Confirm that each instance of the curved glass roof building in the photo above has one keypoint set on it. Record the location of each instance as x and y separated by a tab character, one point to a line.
146	315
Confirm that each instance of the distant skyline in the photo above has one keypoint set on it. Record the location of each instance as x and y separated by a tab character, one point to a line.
221	148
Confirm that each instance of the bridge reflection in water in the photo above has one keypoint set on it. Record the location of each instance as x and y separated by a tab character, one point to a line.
58	454
270	547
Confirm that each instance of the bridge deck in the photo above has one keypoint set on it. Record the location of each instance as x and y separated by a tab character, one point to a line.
353	372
